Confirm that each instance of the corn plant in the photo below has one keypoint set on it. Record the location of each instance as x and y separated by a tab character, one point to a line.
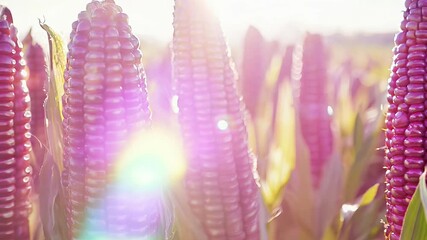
220	183
15	132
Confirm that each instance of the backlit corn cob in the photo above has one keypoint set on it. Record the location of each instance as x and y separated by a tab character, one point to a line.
314	118
254	67
220	175
15	142
405	121
285	70
105	102
36	84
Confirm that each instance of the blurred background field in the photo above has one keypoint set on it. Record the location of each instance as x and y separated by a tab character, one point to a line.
266	40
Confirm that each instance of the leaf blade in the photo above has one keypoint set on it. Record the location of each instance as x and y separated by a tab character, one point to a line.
414	223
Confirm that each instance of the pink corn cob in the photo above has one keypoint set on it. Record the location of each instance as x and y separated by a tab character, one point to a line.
15	137
105	103
313	112
220	176
405	121
254	67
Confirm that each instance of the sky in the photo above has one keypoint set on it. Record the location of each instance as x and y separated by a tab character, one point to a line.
276	19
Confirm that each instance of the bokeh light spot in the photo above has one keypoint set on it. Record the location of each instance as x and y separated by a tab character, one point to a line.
174	104
222	125
330	111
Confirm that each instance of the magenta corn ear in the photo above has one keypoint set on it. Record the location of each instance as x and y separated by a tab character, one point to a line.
254	67
15	137
36	84
105	102
285	70
313	114
405	120
220	175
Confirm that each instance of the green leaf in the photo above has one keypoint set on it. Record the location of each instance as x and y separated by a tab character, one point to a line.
55	90
423	191
362	220
414	224
365	154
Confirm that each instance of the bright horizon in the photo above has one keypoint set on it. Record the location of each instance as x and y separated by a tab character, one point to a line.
278	19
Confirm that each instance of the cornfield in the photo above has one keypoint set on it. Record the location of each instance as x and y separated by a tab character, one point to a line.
107	135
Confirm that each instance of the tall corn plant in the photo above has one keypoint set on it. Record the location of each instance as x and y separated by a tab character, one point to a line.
15	144
405	126
220	183
104	105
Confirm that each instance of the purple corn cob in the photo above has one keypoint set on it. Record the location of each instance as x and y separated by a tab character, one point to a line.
220	176
313	113
36	84
254	68
285	70
15	137
405	121
105	102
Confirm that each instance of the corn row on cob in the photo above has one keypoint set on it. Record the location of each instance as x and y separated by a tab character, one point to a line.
15	142
405	121
314	117
220	175
105	101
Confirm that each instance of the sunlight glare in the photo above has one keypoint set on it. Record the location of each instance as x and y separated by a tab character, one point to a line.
153	159
222	125
348	209
330	111
174	104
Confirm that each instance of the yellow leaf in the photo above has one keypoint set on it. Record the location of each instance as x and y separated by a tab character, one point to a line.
282	153
369	195
55	90
345	113
329	234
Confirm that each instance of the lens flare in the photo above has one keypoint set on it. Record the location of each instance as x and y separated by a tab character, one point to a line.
152	160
